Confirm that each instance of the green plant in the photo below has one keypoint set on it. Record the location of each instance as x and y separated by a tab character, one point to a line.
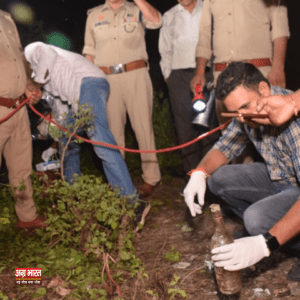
89	241
82	118
172	255
174	291
3	296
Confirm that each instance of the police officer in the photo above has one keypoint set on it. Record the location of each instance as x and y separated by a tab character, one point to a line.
114	41
15	136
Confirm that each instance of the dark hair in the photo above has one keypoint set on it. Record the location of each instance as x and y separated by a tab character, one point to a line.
236	74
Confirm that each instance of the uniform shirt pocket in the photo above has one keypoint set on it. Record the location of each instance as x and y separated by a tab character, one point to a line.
103	32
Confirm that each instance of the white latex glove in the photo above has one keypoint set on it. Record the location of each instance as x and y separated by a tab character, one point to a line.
46	155
241	254
195	186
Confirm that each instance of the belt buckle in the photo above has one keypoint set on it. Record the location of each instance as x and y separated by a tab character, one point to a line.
116	69
16	104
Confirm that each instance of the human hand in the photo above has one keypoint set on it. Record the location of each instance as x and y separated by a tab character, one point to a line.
34	93
241	254
276	76
280	109
198	79
195	186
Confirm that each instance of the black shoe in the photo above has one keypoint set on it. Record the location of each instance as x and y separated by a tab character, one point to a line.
294	272
240	234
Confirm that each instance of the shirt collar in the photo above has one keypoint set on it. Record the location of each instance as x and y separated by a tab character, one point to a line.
181	8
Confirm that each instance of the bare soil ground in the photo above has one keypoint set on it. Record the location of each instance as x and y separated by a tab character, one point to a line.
163	229
168	225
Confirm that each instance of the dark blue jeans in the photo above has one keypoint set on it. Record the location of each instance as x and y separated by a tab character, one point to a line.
250	193
94	92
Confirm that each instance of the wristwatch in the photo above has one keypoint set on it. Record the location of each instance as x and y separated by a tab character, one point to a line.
271	242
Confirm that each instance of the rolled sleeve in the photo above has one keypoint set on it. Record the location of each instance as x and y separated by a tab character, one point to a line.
151	25
279	20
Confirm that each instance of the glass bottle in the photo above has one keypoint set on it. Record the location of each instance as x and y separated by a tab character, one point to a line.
229	282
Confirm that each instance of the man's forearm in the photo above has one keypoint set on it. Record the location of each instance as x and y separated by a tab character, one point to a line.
288	226
296	97
212	161
200	65
149	12
279	51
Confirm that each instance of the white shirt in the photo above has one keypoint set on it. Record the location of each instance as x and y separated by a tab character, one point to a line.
66	70
178	38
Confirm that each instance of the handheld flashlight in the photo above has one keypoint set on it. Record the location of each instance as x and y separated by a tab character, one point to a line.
199	102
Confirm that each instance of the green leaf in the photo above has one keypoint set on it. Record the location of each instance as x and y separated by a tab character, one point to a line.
102	292
103	205
124	255
114	225
39	293
61	205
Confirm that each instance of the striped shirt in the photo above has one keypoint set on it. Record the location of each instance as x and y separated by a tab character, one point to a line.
278	146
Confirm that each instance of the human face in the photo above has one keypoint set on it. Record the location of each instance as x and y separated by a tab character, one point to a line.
187	3
243	100
115	2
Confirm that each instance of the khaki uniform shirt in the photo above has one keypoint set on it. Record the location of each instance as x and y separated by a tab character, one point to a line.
243	29
114	37
12	72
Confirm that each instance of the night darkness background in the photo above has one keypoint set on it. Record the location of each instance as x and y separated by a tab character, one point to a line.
69	17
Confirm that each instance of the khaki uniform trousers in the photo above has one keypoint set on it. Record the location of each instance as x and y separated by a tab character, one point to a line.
132	92
16	147
247	156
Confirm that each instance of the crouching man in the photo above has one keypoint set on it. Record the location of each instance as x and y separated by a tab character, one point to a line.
261	193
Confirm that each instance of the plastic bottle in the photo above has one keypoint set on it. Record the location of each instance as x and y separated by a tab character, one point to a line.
229	282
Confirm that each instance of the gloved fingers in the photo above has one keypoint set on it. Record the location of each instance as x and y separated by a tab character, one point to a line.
201	197
223	249
190	203
197	209
224	263
223	256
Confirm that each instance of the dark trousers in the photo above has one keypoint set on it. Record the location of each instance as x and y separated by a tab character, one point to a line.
181	105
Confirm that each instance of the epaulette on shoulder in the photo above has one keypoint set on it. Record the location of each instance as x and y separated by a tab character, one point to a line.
94	8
